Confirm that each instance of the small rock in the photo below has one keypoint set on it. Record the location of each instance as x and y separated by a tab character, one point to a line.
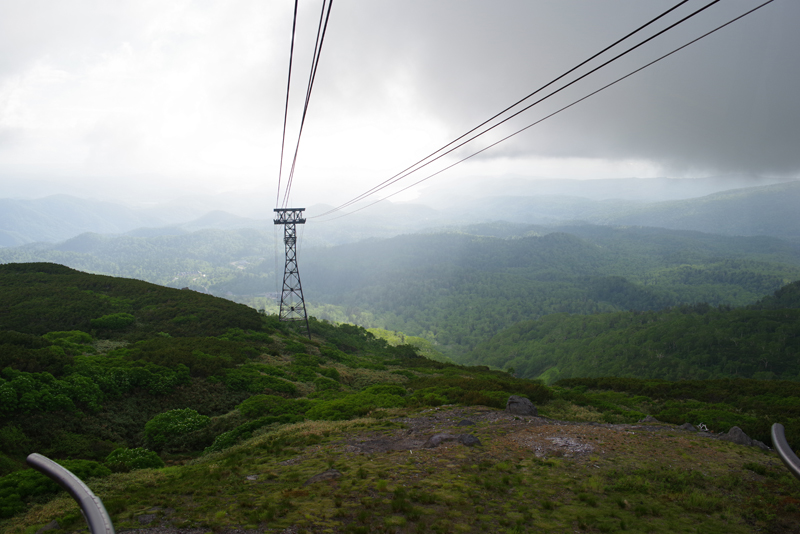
330	474
649	419
520	406
465	439
688	426
465	422
469	440
438	439
52	525
252	477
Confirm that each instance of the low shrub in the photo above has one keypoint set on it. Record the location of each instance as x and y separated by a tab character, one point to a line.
358	404
18	487
115	321
165	427
245	431
123	460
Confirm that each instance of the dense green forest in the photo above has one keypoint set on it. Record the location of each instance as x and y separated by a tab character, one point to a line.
699	341
456	288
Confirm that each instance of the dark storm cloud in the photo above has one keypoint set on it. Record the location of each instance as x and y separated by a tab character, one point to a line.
728	103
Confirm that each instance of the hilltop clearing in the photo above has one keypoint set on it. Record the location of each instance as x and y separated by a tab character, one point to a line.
527	473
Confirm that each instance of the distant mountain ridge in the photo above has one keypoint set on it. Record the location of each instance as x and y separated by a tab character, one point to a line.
759	210
59	217
764	210
769	210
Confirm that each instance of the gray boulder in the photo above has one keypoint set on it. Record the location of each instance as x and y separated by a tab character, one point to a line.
465	439
469	440
438	439
737	435
520	406
649	419
688	426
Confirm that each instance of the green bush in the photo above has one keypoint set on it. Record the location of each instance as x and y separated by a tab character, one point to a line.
295	346
306	360
7	465
261	405
123	460
329	372
303	373
321	384
71	341
20	486
250	378
359	404
165	427
114	321
245	431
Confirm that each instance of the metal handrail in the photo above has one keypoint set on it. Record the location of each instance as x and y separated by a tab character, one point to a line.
785	452
91	506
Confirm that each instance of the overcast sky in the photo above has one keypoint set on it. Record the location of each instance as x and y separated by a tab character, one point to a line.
189	95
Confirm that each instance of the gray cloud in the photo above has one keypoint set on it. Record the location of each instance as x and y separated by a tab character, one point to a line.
728	103
207	79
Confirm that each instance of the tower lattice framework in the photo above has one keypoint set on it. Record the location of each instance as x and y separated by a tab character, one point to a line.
293	306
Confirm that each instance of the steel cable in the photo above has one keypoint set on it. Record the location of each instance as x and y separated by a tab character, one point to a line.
286	107
410	170
311	77
559	110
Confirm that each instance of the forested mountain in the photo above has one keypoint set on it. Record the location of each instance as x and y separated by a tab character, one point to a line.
456	288
762	210
700	341
59	217
767	210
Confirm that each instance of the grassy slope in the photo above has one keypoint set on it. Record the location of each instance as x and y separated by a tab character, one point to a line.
526	474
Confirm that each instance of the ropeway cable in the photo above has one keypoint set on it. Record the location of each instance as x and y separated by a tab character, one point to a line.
321	30
422	163
558	111
286	107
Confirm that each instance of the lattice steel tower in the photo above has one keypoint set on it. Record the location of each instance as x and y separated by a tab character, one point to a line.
293	307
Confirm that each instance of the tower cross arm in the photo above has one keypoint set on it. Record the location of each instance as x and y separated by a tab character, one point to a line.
289	216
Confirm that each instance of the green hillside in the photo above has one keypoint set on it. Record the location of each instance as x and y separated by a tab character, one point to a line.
700	341
457	288
192	412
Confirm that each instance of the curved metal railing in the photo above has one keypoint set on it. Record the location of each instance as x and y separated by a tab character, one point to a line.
788	456
91	506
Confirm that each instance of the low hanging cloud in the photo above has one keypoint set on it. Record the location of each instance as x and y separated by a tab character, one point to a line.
198	88
726	104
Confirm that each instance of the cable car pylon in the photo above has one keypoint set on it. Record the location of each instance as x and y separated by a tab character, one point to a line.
293	306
